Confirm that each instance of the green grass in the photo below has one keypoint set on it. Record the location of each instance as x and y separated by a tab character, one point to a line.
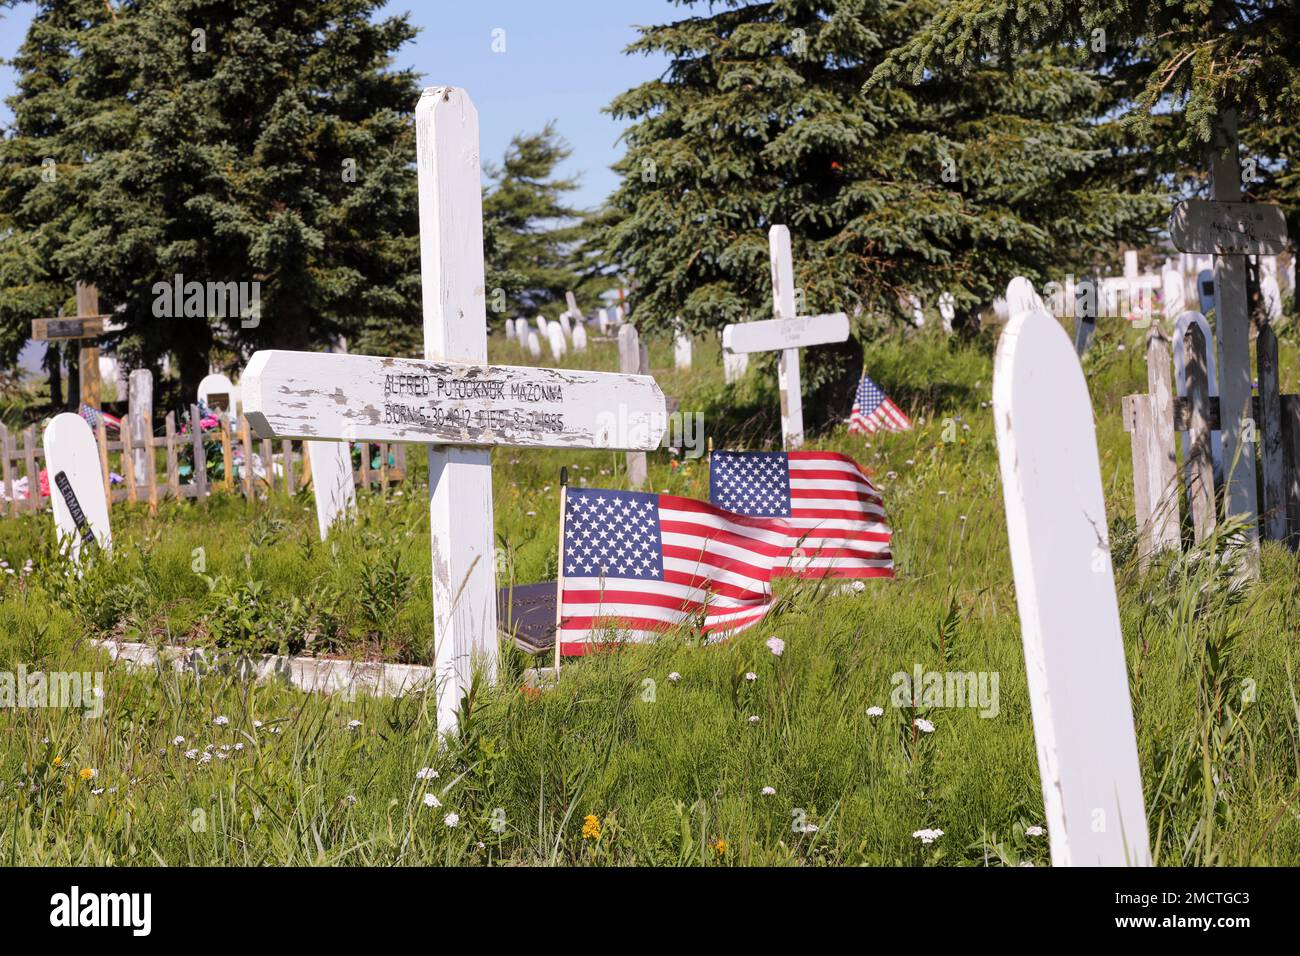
668	767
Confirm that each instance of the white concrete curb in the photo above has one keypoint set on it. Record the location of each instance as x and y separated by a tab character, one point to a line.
310	674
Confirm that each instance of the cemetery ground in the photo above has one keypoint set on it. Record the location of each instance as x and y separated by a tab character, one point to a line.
662	754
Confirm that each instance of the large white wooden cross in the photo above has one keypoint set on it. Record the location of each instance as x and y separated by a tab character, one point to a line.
787	333
452	399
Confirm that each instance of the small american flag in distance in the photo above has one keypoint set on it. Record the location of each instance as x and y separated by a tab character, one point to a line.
636	564
835	514
874	411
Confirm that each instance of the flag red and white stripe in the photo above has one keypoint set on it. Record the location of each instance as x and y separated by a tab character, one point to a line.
637	564
875	411
835	514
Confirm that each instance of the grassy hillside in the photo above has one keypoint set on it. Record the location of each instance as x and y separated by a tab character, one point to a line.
663	751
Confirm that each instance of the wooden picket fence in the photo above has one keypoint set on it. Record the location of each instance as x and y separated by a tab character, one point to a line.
289	469
1152	419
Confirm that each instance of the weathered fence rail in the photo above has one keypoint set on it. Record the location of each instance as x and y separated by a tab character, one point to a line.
250	467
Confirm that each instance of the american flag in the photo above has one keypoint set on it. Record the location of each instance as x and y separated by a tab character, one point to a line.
636	564
93	416
873	410
834	514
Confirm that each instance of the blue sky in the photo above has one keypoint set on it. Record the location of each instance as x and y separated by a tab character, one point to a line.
563	60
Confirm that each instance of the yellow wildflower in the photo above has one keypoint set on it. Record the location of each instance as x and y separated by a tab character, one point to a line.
57	761
719	846
591	827
86	773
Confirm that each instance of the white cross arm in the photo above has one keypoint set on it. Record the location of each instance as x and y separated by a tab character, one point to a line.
333	397
772	335
1228	228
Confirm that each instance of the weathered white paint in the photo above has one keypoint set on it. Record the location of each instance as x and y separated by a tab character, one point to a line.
1022	297
555	337
774	335
312	675
218	384
331	478
449	186
1065	592
369	398
534	344
140	422
579	338
734	367
1180	380
1228	227
76	485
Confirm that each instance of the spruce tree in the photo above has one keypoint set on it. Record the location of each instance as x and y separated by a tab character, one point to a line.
268	143
766	116
528	229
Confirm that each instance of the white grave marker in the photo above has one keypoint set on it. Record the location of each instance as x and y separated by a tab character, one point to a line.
452	399
579	338
555	336
1022	297
602	318
565	325
534	345
331	478
682	350
510	329
1180	384
1174	288
76	485
541	325
947	310
140	421
1228	228
1269	290
787	333
217	391
1065	592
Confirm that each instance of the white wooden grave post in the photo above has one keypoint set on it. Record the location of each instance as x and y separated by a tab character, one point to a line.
555	336
331	480
1065	592
510	329
787	333
629	363
219	389
451	400
734	367
76	485
1269	289
681	349
1174	287
1231	230
573	311
521	329
1212	386
534	345
566	326
541	325
947	310
140	422
579	338
602	318
1022	297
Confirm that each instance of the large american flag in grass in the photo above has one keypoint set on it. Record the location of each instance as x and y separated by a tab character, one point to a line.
636	564
823	500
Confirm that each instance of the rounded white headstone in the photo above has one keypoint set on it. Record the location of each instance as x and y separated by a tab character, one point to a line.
217	384
76	485
579	339
534	344
555	335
